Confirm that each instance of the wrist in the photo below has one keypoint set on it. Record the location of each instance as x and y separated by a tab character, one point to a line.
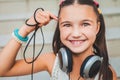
24	31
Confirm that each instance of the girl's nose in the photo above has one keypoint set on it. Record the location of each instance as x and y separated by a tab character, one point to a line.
76	32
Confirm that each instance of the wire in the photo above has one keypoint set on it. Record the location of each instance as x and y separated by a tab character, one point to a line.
34	41
33	36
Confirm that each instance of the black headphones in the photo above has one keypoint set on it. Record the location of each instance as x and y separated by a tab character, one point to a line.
89	68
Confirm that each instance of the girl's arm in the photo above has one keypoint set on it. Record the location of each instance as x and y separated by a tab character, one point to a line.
8	64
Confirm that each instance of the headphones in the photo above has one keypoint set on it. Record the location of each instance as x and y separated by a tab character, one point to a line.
89	68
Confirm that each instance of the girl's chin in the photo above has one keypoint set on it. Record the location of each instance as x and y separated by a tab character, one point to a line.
77	52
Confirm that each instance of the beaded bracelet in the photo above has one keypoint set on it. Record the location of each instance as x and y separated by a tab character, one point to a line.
18	37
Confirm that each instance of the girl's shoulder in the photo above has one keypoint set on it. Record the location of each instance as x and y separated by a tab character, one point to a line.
113	72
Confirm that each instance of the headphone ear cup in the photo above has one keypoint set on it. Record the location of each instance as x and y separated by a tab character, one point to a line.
90	66
94	69
65	57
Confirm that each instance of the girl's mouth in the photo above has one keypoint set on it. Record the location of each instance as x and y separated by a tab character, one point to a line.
77	42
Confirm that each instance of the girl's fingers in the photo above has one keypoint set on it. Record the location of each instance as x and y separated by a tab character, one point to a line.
44	17
52	16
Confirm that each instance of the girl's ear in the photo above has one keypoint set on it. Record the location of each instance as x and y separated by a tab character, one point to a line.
98	28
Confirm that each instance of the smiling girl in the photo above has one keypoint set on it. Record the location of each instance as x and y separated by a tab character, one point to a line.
79	45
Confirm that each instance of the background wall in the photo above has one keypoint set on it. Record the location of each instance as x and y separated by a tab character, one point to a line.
13	14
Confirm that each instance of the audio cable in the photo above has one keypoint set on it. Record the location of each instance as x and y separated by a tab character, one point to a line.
34	42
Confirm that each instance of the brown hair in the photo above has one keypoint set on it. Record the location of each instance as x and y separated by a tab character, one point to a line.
100	43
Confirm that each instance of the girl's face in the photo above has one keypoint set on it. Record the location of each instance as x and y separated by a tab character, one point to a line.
78	28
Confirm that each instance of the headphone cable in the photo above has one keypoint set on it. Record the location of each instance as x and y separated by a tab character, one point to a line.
34	41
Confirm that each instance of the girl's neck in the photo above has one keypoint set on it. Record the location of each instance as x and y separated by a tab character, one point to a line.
79	58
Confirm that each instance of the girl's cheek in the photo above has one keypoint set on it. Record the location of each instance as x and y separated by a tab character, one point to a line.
90	33
64	33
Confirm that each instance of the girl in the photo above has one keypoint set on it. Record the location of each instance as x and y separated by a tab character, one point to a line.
80	33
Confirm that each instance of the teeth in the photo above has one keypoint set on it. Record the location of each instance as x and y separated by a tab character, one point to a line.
76	42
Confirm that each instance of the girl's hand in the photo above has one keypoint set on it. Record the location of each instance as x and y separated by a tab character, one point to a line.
42	17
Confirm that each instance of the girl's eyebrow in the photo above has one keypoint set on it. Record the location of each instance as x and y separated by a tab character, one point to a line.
85	20
65	22
88	20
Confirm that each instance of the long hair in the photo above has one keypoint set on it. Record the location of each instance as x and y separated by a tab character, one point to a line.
100	43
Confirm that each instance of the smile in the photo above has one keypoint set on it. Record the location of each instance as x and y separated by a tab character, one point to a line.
77	42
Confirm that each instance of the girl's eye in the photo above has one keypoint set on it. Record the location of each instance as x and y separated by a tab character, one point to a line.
85	24
66	25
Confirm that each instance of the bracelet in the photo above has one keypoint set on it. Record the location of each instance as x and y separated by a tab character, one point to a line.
18	37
